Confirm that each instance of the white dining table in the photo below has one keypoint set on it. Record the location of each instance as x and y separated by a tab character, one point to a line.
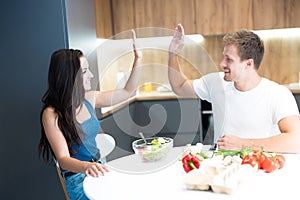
131	178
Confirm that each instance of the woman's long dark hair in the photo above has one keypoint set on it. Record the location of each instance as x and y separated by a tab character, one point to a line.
65	93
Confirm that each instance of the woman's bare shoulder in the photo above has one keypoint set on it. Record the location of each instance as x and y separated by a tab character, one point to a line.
49	113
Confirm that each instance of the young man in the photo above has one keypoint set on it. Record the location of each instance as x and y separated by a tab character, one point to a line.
248	110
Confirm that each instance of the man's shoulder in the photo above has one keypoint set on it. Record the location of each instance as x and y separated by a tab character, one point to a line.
270	83
209	80
274	86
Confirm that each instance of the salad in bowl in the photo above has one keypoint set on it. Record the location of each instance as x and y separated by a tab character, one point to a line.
152	149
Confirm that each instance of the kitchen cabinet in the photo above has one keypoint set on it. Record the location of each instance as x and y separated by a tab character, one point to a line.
297	97
103	19
207	122
179	119
198	16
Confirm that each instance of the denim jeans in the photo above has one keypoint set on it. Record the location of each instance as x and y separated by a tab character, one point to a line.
74	186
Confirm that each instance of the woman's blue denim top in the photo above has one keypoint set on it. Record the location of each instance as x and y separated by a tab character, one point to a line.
87	149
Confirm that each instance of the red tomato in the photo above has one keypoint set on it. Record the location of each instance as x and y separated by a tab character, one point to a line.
270	164
261	159
280	160
250	159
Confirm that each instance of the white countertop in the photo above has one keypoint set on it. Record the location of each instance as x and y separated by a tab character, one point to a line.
127	182
294	87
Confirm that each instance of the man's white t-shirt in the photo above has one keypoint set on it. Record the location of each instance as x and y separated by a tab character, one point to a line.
251	114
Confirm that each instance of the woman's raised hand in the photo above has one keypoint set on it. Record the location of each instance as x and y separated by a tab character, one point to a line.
177	42
137	51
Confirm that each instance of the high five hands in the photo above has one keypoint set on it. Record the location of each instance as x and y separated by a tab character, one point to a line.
177	42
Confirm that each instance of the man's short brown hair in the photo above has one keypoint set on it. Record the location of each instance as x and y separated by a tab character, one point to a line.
248	44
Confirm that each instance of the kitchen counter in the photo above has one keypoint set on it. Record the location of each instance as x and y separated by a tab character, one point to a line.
294	87
140	96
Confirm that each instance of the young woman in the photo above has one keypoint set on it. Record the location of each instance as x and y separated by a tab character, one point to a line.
69	124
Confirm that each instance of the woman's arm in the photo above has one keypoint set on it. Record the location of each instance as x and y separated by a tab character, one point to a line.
60	148
112	97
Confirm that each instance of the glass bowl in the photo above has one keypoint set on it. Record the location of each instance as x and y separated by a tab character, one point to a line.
154	149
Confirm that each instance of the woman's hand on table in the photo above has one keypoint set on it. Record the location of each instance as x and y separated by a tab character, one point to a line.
95	169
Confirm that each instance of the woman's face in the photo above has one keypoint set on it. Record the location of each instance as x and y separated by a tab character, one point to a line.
87	75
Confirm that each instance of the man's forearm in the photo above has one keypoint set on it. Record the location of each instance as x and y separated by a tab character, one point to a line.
180	84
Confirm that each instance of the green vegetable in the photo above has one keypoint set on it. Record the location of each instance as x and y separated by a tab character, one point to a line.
246	151
203	155
228	152
158	141
155	142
